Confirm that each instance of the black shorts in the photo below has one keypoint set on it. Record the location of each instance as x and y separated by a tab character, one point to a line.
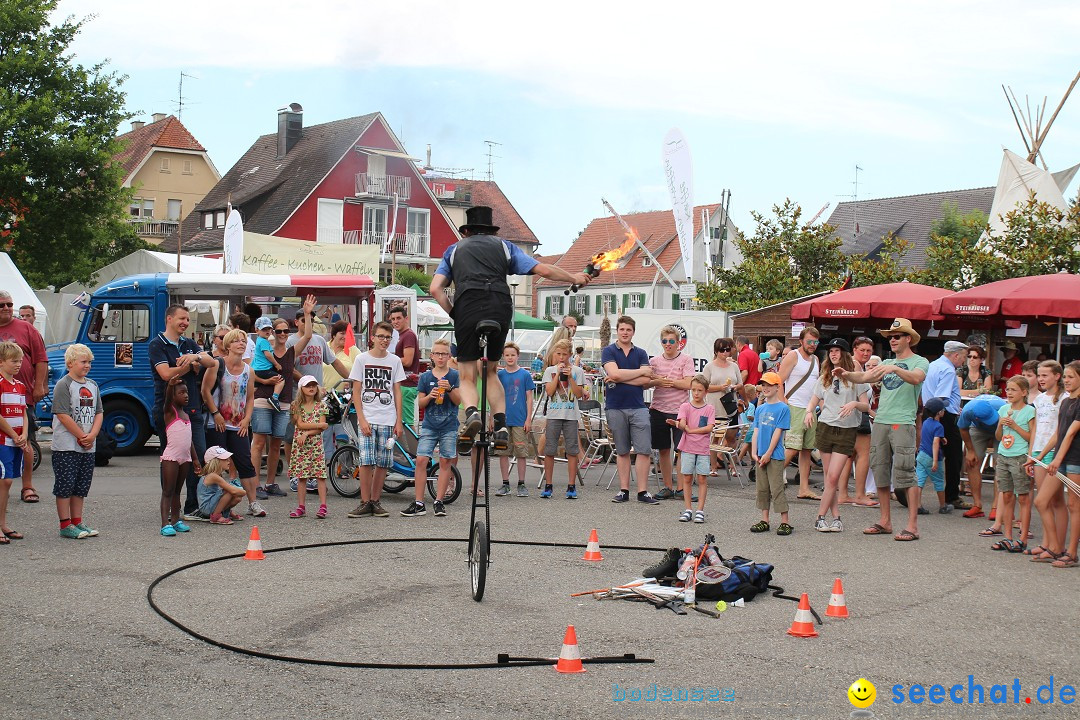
469	311
664	437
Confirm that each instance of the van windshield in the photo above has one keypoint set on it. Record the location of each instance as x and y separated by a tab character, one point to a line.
122	323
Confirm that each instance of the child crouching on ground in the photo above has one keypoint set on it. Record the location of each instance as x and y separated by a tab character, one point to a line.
217	494
564	385
771	420
695	420
77	416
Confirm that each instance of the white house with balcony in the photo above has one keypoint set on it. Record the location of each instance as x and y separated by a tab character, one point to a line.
347	181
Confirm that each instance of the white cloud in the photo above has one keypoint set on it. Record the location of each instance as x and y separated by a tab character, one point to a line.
869	67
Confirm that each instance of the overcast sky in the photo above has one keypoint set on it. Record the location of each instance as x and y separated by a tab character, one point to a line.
776	99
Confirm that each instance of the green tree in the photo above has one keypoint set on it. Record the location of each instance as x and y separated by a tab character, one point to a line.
887	267
408	277
62	194
952	248
783	259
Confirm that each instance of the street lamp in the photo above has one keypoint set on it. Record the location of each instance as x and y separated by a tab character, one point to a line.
514	281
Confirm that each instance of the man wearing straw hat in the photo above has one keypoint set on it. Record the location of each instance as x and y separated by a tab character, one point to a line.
893	439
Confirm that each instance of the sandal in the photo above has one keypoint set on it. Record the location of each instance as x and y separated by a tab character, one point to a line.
321	513
1047	556
29	495
990	532
4	540
811	496
868	503
298	512
759	527
1065	560
1037	550
1003	544
905	536
975	512
12	535
993	515
1017	546
876	529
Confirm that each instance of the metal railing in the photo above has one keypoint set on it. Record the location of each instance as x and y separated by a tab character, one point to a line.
383	186
417	244
155	228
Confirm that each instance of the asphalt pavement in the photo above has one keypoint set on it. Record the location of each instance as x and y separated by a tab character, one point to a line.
80	640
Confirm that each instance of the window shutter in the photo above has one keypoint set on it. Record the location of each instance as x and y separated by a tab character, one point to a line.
641	300
625	302
674	301
547	305
599	303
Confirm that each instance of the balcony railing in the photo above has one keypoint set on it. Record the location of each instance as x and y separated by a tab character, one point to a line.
382	186
416	244
155	228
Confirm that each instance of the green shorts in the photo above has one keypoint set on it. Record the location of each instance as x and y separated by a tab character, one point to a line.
799	437
1011	476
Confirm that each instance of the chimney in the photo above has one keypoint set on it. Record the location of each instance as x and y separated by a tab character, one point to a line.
137	125
290	126
158	117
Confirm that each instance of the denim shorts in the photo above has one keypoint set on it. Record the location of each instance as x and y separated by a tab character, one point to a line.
691	464
445	439
1071	469
924	464
209	495
373	450
267	421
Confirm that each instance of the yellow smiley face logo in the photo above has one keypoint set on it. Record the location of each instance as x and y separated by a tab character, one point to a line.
862	693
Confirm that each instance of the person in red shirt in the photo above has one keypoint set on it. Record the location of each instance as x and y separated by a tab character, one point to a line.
749	361
408	349
33	374
1012	365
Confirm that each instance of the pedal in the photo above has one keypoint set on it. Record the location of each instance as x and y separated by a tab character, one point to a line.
464	444
501	442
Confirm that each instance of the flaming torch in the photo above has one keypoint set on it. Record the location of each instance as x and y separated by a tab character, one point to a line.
609	259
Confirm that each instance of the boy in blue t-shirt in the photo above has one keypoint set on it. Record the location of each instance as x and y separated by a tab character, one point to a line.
928	461
518	386
263	361
771	420
437	395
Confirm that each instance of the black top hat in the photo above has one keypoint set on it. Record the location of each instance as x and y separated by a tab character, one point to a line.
478	220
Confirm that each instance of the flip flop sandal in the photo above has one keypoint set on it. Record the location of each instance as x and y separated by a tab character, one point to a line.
4	540
11	534
1065	560
29	495
906	536
876	529
870	504
990	532
811	496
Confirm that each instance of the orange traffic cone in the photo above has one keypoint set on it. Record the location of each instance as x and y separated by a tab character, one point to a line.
592	550
570	656
254	548
837	605
803	625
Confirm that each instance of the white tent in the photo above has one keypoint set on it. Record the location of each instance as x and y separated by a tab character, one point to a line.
21	292
1017	179
145	261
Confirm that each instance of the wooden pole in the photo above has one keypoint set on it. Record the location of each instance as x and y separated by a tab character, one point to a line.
1039	141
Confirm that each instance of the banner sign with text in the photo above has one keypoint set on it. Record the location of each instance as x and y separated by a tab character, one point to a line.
276	255
679	177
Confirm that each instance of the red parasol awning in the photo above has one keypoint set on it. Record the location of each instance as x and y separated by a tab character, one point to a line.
1054	297
885	302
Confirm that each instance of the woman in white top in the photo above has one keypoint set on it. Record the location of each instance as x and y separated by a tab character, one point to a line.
725	382
229	399
1049	500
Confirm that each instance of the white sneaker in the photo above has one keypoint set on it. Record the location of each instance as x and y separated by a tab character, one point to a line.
256	509
822	525
836	526
699	516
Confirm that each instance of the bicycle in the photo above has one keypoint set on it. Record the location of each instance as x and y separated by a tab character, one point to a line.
344	466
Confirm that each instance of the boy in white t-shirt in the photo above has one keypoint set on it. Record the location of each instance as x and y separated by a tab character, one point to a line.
376	394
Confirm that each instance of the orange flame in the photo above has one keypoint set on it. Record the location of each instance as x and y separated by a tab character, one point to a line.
609	260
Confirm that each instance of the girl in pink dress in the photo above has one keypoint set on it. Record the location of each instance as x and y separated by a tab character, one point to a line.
179	451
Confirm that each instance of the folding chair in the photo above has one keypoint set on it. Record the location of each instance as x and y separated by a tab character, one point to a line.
598	440
718	444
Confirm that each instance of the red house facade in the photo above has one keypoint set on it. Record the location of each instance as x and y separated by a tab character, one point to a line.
337	182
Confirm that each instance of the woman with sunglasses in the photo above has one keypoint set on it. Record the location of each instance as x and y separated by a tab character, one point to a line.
725	382
269	426
842	406
973	377
216	349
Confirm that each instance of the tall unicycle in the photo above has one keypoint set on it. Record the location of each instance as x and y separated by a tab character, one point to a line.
479	535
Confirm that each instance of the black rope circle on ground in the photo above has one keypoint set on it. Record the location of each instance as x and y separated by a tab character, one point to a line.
505	661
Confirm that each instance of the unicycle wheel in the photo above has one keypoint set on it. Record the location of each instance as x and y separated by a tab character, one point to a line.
478	559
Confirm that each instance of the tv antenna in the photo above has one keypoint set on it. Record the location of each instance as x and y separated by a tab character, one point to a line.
180	94
855	203
491	156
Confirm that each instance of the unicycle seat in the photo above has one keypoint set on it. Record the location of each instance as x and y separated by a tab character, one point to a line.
487	327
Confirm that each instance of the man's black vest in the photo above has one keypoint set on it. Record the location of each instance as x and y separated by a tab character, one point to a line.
480	262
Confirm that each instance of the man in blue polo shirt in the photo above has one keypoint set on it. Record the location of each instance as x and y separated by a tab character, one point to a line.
978	425
941	383
628	372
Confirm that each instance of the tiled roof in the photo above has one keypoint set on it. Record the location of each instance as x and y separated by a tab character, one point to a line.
656	230
908	216
269	189
167	133
511	225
